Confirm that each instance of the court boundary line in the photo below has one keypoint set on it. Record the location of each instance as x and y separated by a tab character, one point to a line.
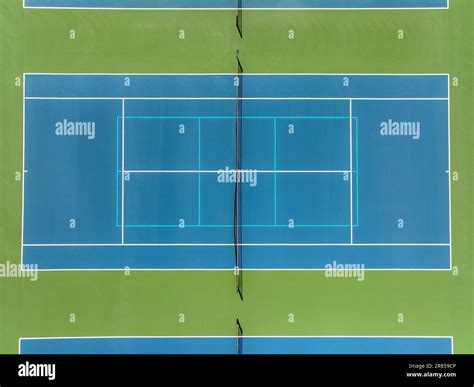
243	9
22	248
246	74
123	172
351	151
232	244
448	99
450	177
447	7
20	339
219	270
231	99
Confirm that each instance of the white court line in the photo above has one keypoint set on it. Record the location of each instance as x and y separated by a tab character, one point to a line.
240	170
351	172
248	74
123	171
229	270
233	337
233	99
244	9
23	177
406	8
450	175
232	244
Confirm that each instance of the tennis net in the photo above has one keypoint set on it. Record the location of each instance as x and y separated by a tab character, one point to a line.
238	18
240	337
238	186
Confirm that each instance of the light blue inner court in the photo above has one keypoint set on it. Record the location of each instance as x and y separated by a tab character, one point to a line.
327	176
231	4
248	345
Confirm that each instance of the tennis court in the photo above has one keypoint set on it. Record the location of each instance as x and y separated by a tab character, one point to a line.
232	4
140	171
232	345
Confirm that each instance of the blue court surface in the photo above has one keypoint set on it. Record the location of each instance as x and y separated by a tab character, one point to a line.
232	4
139	171
234	345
